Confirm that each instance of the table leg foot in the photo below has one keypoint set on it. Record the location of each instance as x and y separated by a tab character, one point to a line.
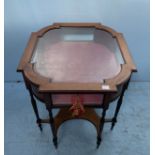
52	125
55	142
113	123
98	142
39	124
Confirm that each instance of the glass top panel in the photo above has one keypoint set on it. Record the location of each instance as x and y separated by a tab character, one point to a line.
77	55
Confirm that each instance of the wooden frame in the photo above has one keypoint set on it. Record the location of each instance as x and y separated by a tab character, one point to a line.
43	88
46	84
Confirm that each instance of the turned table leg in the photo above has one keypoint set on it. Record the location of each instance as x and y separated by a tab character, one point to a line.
34	105
119	103
102	121
51	119
105	105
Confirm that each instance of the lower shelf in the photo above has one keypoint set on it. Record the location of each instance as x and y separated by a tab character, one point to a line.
65	114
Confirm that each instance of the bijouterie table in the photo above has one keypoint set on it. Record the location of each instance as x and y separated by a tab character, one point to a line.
76	67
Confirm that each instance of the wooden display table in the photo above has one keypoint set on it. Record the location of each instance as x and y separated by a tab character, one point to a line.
76	67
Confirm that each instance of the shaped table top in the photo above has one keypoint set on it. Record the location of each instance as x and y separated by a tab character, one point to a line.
77	55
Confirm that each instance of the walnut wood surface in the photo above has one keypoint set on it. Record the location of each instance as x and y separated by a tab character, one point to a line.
46	84
64	115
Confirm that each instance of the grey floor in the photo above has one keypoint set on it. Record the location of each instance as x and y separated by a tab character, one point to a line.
77	137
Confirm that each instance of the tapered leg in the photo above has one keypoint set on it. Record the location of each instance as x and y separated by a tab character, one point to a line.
34	105
119	103
127	84
52	127
102	121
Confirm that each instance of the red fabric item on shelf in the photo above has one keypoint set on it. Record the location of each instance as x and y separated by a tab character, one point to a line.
77	107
